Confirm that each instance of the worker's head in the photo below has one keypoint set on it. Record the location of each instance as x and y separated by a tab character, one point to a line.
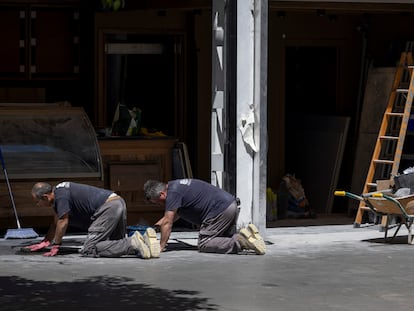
155	191
42	193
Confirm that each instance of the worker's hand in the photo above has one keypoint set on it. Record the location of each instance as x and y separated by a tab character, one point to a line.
53	251
38	246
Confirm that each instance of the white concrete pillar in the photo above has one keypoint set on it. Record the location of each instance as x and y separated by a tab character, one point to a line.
251	141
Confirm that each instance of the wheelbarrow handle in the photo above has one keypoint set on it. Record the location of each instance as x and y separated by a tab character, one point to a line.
341	193
377	195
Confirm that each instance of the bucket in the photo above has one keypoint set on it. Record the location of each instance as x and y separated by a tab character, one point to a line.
140	228
410	125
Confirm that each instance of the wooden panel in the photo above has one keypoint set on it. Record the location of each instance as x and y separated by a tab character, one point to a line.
138	150
377	90
22	95
12	36
128	164
128	181
131	177
39	41
55	42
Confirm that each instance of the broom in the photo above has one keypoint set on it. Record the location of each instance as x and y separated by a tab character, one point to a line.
19	233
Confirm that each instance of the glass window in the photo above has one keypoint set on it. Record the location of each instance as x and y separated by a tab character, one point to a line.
48	142
140	74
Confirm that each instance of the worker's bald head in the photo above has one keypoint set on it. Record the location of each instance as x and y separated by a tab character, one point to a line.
41	188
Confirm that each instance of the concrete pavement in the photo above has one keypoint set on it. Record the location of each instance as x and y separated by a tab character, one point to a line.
305	268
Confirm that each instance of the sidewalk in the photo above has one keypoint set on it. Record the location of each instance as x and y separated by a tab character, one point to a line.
330	268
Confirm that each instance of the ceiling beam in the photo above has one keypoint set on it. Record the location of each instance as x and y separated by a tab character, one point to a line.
343	6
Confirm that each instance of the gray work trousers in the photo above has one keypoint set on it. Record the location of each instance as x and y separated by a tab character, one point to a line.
107	233
218	234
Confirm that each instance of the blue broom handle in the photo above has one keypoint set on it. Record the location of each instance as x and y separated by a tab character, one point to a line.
3	165
9	187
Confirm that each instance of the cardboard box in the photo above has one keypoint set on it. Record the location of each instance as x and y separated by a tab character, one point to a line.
385	184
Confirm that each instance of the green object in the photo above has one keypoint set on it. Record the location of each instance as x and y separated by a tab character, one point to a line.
116	5
113	5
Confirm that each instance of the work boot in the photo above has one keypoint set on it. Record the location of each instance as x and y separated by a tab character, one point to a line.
255	232
250	239
243	242
150	238
138	243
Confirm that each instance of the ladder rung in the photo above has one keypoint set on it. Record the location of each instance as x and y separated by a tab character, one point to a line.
389	137
401	96
395	114
383	161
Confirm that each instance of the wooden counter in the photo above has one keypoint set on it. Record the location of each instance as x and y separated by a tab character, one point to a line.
128	163
29	214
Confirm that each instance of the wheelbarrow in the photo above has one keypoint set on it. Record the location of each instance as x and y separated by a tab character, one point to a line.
399	208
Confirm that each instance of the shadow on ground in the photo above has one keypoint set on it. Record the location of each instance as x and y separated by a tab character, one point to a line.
71	246
179	245
401	239
319	220
99	293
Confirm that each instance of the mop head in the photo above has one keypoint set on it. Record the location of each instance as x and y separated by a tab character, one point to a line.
22	233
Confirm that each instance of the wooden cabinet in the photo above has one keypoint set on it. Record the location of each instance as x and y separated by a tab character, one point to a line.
39	42
128	164
54	40
13	41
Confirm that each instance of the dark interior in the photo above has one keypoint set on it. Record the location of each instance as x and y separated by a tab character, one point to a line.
319	58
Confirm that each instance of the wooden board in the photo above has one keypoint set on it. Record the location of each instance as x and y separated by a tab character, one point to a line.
128	164
377	90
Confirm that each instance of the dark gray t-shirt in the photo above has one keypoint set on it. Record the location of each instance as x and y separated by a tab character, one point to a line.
196	200
80	201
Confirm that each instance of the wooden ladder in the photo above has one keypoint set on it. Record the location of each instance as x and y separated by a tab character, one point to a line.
388	149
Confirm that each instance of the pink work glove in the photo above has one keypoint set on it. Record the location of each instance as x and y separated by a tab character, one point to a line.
53	251
38	246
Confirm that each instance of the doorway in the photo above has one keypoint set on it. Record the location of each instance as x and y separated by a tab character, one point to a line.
311	89
315	133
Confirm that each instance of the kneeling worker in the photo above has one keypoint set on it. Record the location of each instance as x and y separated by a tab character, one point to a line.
99	211
207	206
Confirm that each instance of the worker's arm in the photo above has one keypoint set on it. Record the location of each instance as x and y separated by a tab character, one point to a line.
52	229
61	226
165	224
